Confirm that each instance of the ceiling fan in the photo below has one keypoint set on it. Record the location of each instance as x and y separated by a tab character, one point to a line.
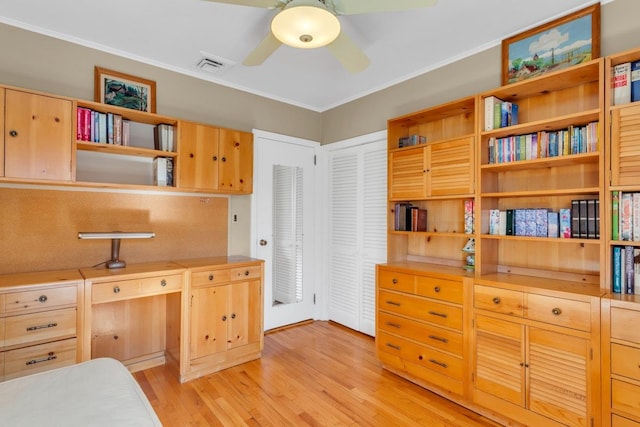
313	23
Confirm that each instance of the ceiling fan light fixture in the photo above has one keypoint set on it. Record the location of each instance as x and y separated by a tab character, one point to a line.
305	24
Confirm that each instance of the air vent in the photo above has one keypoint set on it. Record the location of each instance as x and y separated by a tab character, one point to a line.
214	64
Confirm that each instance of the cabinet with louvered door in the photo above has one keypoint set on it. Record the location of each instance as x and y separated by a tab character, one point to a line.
433	179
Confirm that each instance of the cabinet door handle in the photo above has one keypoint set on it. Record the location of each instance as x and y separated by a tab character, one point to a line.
211	277
437	338
50	356
42	298
397	304
48	325
435	313
393	346
116	289
224	318
233	315
214	158
163	283
13	133
556	311
496	300
224	159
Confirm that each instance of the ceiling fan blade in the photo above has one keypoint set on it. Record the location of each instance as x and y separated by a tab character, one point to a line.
266	47
348	53
269	4
354	7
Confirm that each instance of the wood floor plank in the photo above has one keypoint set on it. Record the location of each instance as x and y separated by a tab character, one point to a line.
315	374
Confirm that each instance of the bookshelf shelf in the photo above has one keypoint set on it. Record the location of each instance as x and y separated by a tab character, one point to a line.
122	150
547	162
554	240
550	124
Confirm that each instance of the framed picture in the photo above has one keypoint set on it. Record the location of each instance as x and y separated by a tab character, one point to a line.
124	90
566	41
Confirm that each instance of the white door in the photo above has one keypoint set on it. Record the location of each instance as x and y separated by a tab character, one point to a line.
357	228
284	222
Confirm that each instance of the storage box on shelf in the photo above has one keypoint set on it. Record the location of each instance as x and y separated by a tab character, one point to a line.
436	175
40	322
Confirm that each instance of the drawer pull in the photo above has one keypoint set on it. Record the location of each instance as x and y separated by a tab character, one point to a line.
393	346
556	311
50	356
435	313
394	281
496	300
42	298
211	277
393	325
233	315
246	272
437	338
224	318
436	362
436	289
397	304
116	289
163	283
48	325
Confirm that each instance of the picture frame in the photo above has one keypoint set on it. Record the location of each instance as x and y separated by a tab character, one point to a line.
563	42
124	90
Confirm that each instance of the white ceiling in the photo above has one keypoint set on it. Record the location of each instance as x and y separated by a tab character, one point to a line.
174	34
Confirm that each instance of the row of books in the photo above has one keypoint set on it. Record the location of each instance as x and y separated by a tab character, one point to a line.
164	137
626	270
411	140
582	221
408	217
163	172
625	216
626	82
544	144
104	128
499	113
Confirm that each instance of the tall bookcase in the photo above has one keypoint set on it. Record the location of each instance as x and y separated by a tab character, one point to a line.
556	101
437	175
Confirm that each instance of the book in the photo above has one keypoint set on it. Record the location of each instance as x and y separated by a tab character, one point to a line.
468	216
616	261
160	171
502	229
621	83
636	271
615	212
510	228
628	270
625	214
635	81
553	226
109	128
635	217
169	172
583	231
126	132
494	221
117	129
520	222
565	223
591	231
418	219
489	109
575	219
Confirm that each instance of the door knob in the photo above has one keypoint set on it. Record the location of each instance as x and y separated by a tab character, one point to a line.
263	242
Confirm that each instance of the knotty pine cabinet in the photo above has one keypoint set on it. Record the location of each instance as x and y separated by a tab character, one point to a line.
216	159
37	136
40	322
224	313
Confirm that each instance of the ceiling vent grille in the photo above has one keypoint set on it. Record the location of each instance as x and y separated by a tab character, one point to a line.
214	64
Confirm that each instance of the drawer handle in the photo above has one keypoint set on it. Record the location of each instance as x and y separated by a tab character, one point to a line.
13	133
397	304
48	325
246	272
224	318
394	281
50	356
496	300
233	315
437	338
211	277
393	346
163	283
393	325
556	311
435	313
42	298
436	289
436	362
116	289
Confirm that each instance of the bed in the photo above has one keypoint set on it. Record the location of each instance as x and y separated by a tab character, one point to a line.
99	392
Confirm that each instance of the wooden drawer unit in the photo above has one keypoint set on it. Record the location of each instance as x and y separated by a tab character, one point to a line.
498	300
445	290
246	273
421	308
39	320
393	280
624	397
559	311
135	288
205	278
624	324
38	358
625	361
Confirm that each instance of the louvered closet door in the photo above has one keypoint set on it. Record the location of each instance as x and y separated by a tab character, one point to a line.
357	233
625	145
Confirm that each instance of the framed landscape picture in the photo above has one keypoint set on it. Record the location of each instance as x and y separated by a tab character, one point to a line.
124	90
566	41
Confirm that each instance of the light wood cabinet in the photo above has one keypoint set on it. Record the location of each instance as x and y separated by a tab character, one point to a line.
536	355
37	136
40	321
420	325
215	159
224	313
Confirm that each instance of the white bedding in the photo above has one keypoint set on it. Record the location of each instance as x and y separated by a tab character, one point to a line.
100	392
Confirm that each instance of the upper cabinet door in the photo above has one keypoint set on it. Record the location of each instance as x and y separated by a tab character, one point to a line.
198	160
38	136
625	140
235	161
407	174
451	168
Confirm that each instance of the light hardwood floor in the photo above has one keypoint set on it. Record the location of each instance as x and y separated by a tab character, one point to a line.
316	374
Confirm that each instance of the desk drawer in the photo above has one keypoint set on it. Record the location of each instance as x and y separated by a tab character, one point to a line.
246	273
38	358
127	289
430	335
39	326
624	324
625	361
42	299
401	282
617	421
210	277
445	290
624	397
498	300
421	308
559	311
